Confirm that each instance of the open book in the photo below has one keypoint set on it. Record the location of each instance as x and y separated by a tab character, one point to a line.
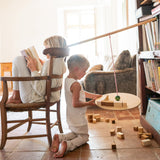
31	51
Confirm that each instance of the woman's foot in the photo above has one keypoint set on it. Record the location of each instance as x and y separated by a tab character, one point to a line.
62	150
55	144
15	98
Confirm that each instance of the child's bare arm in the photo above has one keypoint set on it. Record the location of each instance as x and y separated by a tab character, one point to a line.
75	89
92	95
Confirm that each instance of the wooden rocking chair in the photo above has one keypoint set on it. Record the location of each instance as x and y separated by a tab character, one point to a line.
29	107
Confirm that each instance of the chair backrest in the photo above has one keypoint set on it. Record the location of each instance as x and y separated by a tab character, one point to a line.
54	53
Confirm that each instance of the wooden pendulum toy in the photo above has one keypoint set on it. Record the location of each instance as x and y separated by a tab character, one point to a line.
117	98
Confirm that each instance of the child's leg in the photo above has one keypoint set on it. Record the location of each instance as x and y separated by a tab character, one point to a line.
76	142
71	144
62	150
58	138
67	136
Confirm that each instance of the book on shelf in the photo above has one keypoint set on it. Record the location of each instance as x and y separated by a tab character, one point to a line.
154	65
147	74
150	32
145	41
156	10
143	11
152	74
149	35
31	51
149	54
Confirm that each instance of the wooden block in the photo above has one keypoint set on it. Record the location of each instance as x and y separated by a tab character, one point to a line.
118	104
143	136
107	120
103	98
113	146
119	129
94	120
146	142
124	105
120	135
90	116
135	128
90	120
139	134
140	129
112	132
113	121
96	116
107	103
98	119
149	135
102	119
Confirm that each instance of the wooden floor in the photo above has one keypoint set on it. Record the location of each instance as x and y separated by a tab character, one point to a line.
98	146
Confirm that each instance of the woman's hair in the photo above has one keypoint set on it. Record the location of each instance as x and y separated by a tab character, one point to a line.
77	60
56	42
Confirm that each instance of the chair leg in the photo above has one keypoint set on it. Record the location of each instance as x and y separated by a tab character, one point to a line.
48	126
3	127
59	117
30	122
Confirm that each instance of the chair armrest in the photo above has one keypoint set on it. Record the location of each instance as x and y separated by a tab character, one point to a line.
5	85
23	78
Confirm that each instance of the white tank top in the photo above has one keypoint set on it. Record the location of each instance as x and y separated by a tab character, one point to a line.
75	116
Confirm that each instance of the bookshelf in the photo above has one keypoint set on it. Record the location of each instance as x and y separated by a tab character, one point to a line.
149	61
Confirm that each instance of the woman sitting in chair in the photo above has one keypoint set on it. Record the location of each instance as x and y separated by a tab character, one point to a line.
34	91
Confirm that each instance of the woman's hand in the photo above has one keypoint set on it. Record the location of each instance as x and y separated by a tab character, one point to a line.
42	62
31	63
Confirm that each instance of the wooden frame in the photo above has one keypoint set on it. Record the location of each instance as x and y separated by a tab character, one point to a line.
29	107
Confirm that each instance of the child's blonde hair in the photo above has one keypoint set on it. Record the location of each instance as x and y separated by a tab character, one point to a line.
77	60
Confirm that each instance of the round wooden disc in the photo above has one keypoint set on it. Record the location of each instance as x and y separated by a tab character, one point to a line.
131	100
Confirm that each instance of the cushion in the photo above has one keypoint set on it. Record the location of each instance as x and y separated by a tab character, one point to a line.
123	61
96	67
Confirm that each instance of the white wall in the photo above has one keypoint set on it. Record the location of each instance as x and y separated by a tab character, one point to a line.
28	22
25	23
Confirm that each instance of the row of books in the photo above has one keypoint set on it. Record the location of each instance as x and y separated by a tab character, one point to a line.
151	36
152	73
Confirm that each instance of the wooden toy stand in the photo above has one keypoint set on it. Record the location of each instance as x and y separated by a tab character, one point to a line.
131	100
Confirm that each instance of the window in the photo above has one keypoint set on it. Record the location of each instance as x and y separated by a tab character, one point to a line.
80	25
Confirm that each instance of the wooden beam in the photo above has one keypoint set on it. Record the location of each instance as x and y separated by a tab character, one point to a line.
117	31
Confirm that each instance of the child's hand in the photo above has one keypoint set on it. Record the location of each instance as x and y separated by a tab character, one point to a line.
91	102
32	64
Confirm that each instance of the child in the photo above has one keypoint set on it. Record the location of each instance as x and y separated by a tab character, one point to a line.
35	91
76	108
